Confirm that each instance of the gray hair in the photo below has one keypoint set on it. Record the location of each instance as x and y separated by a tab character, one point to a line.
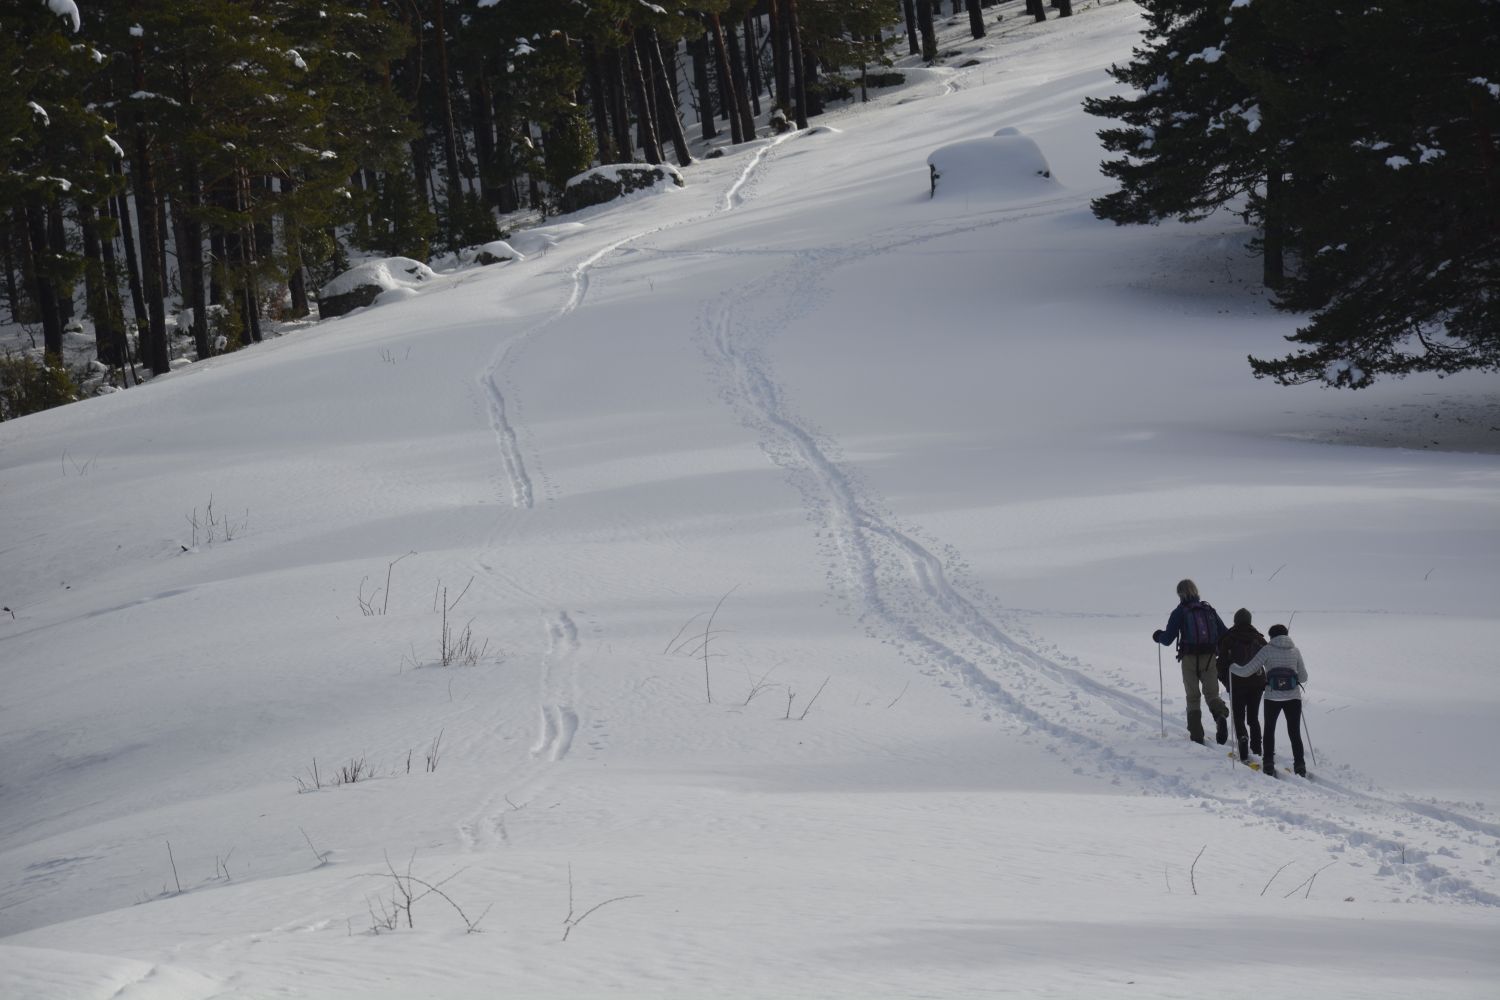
1188	590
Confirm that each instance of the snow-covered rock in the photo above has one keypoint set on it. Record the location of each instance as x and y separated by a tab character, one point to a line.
603	184
1001	167
367	283
497	252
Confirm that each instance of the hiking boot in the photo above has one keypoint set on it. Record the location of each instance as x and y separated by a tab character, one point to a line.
1255	745
1268	770
1299	769
1195	726
1221	730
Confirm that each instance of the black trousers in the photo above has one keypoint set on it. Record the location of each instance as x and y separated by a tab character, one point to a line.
1244	703
1293	710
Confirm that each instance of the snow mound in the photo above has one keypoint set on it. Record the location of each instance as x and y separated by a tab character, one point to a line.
496	252
1003	167
534	241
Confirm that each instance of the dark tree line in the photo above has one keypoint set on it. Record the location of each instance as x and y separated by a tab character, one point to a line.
1360	139
225	155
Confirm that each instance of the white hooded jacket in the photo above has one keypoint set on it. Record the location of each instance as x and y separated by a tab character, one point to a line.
1278	652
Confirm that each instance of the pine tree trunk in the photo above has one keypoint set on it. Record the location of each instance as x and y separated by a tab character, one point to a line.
96	286
445	118
57	239
752	65
929	33
614	67
645	125
781	60
1273	265
698	48
799	69
190	259
296	278
913	41
12	290
43	291
119	210
598	106
976	19
1064	8
741	83
729	99
154	335
666	102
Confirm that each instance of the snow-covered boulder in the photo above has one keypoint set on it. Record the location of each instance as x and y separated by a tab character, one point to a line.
497	252
366	283
1001	167
603	184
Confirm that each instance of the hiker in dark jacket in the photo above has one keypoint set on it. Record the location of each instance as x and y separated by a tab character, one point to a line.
1285	674
1245	684
1196	627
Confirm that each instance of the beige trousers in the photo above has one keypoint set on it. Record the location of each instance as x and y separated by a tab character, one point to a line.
1200	680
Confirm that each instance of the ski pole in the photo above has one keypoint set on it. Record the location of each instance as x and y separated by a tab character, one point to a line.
1161	693
1306	731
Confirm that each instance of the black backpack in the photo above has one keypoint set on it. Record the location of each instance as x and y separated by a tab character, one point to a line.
1242	646
1200	628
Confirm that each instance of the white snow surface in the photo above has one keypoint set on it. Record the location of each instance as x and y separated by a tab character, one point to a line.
809	533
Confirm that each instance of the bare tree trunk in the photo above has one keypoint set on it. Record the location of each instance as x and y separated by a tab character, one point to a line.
799	69
976	19
741	83
620	113
912	40
445	117
699	50
598	106
646	127
666	102
929	33
781	60
43	291
729	99
1064	8
752	64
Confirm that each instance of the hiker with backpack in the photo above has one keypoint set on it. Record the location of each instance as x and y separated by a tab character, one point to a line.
1285	674
1196	628
1246	684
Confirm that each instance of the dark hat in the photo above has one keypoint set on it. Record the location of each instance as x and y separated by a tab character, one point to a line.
1242	617
1276	630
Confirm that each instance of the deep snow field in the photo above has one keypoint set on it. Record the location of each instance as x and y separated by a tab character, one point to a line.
922	473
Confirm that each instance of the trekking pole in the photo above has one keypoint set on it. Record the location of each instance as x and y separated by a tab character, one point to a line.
1312	750
1161	694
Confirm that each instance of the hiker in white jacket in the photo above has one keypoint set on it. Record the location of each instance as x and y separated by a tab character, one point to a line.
1285	674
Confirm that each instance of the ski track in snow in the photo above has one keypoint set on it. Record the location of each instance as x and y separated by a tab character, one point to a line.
902	592
494	380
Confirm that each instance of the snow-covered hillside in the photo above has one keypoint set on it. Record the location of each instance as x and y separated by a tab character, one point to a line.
795	539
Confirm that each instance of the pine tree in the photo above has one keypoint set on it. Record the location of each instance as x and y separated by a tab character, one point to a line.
1394	195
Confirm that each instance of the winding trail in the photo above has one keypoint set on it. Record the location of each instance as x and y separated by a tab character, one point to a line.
902	592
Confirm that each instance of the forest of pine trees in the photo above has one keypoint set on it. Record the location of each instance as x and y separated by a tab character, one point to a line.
222	159
1360	139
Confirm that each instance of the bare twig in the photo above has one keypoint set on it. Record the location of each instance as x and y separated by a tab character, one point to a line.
808	707
322	856
1273	877
570	921
174	867
899	696
1308	882
1278	570
1192	876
